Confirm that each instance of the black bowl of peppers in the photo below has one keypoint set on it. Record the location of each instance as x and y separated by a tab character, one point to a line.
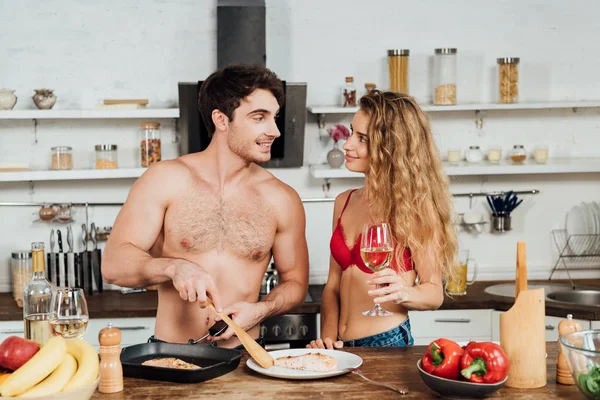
472	371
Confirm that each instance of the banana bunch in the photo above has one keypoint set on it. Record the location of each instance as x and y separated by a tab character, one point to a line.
60	365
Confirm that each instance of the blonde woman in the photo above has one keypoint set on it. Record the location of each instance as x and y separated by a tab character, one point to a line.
406	187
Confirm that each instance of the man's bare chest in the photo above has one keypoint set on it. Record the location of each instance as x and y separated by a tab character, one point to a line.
243	226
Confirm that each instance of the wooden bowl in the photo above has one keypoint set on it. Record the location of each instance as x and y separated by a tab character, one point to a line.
458	389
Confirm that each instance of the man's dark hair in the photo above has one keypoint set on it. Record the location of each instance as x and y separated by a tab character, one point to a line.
225	88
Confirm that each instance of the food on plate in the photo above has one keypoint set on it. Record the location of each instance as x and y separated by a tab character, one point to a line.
36	369
484	362
170	362
315	362
16	351
443	359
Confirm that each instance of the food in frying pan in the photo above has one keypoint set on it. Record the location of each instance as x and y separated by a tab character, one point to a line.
315	362
170	362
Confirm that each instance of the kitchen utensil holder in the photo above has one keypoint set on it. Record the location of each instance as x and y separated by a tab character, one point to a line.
576	252
501	223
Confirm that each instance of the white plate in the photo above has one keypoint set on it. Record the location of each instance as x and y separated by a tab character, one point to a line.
345	360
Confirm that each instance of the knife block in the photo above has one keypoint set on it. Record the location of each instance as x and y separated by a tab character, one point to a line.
523	338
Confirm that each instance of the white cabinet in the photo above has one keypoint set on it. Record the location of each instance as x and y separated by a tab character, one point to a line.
457	325
133	330
11	328
595	325
551	324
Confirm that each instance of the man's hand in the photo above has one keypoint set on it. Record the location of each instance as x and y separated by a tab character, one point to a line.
326	343
193	284
246	315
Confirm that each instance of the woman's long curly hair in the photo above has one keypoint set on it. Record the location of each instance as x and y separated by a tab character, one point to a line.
405	184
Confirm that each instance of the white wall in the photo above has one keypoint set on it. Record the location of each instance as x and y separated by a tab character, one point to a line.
134	49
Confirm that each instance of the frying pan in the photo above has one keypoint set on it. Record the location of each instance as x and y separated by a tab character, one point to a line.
213	361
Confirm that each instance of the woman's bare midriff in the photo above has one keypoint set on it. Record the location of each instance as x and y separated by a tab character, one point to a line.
354	299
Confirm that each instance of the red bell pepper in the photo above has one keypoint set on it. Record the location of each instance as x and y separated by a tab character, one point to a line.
484	362
443	359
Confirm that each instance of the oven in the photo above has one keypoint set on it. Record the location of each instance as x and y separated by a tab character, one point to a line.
290	331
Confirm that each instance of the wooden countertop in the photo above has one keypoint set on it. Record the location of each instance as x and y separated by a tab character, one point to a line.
394	366
115	305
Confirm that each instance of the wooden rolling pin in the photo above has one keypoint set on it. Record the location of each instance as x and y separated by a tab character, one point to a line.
255	350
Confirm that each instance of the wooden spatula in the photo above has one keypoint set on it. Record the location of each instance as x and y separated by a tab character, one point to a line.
255	350
521	281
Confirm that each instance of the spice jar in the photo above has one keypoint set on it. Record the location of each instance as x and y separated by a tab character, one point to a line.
369	87
150	144
508	79
62	158
444	84
106	156
398	68
454	156
47	213
518	154
494	155
64	213
21	269
540	154
474	155
349	93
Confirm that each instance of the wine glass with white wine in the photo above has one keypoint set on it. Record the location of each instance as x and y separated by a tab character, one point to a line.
68	313
376	251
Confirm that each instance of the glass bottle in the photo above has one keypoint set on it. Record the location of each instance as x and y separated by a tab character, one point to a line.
150	145
369	87
444	84
508	79
62	158
349	93
518	154
36	299
398	69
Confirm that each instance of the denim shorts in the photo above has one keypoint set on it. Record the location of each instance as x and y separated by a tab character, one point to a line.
260	341
396	337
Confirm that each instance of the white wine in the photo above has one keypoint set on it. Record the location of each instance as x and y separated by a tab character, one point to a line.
36	299
376	258
37	328
73	327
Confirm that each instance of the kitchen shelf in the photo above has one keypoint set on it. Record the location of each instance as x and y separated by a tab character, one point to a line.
554	166
90	114
75	174
472	107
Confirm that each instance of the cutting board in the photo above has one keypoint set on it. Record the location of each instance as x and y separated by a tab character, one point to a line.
523	331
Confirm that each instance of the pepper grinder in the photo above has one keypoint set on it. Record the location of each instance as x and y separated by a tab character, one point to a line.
111	370
563	374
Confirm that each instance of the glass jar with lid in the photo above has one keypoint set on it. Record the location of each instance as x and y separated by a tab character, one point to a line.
349	93
369	87
62	158
398	69
518	154
444	77
106	156
150	147
21	270
474	155
64	213
47	213
508	79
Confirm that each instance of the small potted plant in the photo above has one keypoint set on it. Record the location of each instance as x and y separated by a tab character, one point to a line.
335	156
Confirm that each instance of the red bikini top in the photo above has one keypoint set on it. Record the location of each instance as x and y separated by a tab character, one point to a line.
346	257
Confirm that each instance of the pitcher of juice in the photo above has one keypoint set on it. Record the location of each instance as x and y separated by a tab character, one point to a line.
457	284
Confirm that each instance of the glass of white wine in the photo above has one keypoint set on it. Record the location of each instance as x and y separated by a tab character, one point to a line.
376	251
68	313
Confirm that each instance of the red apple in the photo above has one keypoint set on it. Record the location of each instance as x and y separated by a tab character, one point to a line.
16	351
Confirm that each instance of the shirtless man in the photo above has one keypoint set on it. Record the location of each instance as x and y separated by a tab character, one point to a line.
208	223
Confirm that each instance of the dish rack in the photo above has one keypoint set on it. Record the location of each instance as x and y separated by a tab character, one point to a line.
576	252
